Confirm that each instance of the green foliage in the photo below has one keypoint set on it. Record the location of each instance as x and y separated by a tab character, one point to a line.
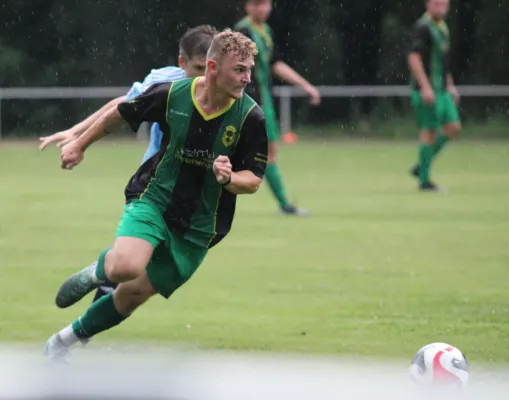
80	43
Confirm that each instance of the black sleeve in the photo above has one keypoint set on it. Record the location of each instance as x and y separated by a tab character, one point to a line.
150	106
420	38
252	148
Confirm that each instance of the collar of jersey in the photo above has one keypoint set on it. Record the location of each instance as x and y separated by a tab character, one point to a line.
262	31
205	116
440	25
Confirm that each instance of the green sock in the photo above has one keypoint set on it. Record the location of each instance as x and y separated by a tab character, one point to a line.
425	156
276	184
440	142
99	269
101	316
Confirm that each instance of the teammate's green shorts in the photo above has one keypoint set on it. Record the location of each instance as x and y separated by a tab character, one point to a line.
442	112
175	259
271	123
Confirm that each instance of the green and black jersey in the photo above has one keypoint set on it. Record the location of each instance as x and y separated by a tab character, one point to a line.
261	77
431	40
179	180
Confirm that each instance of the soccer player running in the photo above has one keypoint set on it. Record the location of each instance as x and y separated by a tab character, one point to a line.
193	47
269	62
181	202
434	96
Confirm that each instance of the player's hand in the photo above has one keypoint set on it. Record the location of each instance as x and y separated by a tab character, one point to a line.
222	169
71	155
61	138
454	93
314	95
428	96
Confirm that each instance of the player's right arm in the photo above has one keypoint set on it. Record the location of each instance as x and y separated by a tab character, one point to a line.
64	137
148	107
420	39
67	136
87	123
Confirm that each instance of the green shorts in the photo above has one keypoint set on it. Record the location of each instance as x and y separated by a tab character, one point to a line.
271	123
175	259
443	112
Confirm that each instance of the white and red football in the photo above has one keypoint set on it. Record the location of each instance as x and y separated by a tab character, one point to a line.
440	364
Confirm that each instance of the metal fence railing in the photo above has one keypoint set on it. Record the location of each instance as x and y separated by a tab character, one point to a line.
285	94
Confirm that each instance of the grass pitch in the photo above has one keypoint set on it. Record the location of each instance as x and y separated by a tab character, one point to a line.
378	269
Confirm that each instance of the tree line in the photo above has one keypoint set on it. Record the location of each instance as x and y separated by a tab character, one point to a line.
349	42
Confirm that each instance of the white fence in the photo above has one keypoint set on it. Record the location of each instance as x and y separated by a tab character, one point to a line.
283	93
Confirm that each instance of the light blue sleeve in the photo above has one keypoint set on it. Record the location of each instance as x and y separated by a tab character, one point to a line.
167	74
136	90
156	137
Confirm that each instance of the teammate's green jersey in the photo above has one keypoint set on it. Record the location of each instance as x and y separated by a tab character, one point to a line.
431	40
179	180
261	86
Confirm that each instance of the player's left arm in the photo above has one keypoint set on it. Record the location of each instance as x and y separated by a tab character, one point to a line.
451	87
250	159
286	73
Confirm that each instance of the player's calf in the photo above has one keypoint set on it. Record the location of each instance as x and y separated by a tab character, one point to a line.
275	181
427	139
128	296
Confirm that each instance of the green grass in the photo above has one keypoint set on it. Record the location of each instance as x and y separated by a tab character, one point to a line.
401	128
378	270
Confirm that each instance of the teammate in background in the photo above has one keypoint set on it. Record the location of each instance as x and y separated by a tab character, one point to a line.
181	202
269	62
434	96
193	47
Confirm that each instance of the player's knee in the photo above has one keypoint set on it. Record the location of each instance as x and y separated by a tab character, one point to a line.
427	136
128	259
124	267
453	129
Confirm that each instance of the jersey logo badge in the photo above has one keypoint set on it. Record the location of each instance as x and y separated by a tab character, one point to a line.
229	135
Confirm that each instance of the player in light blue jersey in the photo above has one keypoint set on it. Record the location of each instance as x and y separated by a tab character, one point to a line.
193	47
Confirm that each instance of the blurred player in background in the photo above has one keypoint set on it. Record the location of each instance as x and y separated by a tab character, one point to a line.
193	47
181	202
434	96
269	62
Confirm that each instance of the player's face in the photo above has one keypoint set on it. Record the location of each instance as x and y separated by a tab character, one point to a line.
193	67
234	74
259	10
438	8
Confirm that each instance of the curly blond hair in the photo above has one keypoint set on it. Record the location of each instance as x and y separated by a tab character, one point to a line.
229	41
